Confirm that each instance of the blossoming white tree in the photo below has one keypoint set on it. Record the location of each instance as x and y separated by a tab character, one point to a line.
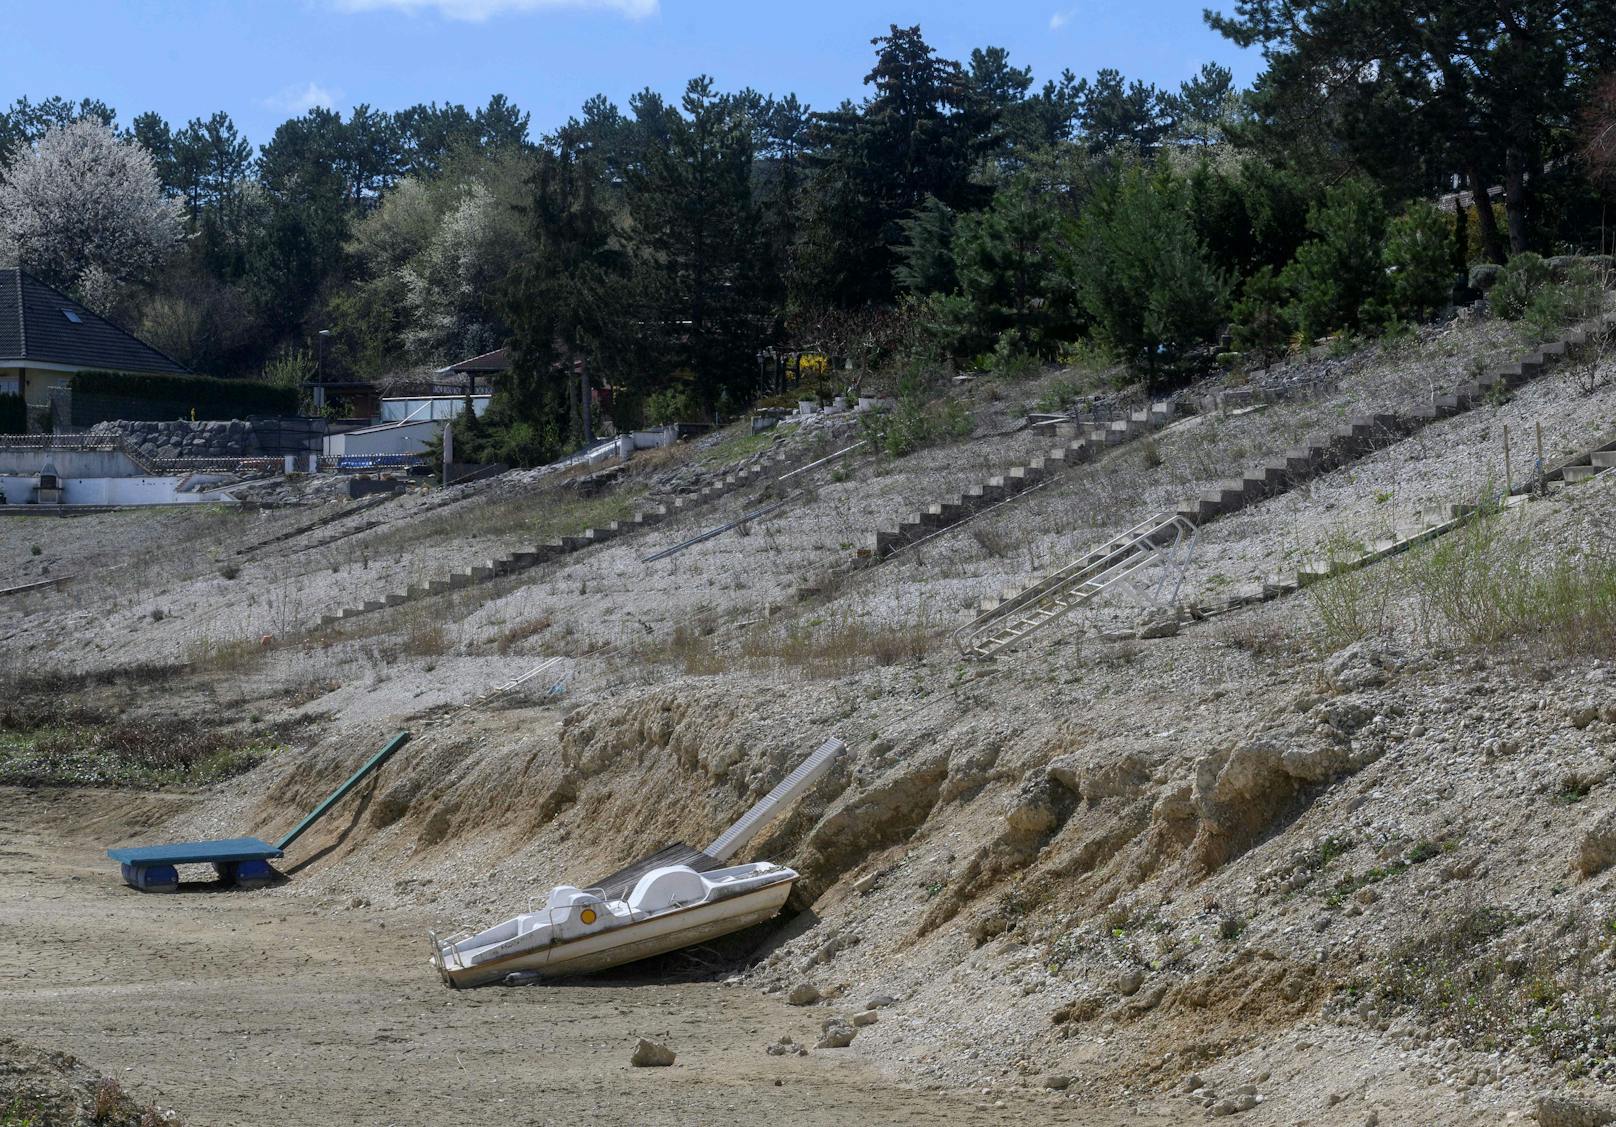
84	211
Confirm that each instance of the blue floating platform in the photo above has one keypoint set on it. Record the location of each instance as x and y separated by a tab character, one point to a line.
224	850
242	861
239	860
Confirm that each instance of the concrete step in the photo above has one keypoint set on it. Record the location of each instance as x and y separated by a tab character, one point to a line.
1258	484
1575	474
1604	459
396	599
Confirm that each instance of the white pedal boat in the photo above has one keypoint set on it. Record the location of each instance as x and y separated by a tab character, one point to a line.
579	931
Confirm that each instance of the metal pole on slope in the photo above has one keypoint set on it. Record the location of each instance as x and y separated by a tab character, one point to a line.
1541	484
341	792
1509	484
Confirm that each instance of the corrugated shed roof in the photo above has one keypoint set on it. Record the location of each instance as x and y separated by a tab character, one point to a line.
39	324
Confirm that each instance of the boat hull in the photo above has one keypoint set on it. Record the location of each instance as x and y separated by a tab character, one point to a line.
656	935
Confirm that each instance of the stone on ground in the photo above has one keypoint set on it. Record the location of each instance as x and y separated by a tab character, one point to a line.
649	1054
803	994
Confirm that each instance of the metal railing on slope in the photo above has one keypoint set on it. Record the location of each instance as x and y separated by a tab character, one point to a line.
1073	585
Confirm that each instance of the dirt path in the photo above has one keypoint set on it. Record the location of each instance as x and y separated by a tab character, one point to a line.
257	1008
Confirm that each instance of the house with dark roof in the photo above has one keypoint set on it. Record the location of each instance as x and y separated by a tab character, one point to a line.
46	336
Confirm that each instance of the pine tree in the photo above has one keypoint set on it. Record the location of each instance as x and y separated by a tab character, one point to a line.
1142	274
1115	112
1203	105
926	255
691	207
1015	273
1338	273
563	304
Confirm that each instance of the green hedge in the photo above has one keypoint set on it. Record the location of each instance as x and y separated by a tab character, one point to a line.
13	415
152	397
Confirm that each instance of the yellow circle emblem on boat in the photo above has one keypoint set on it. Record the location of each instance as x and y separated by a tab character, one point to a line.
587	915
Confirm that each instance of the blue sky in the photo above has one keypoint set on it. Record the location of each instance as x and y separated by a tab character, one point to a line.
263	60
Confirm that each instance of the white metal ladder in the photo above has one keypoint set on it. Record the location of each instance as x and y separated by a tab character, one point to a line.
1074	585
808	772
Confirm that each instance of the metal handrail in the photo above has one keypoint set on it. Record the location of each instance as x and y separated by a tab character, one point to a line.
1080	572
1129	540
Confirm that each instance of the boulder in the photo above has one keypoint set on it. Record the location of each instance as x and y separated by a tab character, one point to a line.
1358	666
649	1054
803	994
838	1034
1165	626
1572	1111
1596	852
1315	763
1122	777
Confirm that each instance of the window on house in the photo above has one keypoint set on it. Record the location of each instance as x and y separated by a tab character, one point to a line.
72	316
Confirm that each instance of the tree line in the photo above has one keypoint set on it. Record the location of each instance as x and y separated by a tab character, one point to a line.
956	212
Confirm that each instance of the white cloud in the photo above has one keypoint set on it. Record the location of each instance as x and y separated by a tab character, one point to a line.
1061	19
477	11
301	99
